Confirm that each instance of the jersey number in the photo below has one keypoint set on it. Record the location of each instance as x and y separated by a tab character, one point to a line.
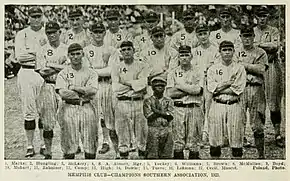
92	53
119	37
219	72
143	39
242	54
198	53
218	36
124	70
151	52
70	75
70	36
182	37
49	53
267	36
179	74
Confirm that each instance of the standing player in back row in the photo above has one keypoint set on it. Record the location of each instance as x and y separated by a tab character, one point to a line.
77	86
51	60
101	58
267	37
27	43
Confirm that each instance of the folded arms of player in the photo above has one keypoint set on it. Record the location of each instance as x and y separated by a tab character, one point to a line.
259	67
152	111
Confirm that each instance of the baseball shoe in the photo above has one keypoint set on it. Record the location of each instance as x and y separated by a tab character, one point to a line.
132	148
47	157
279	142
42	150
246	143
79	150
105	148
30	152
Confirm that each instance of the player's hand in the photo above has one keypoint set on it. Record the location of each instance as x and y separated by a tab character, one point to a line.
62	59
42	41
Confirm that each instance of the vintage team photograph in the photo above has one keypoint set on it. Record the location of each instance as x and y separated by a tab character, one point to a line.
143	82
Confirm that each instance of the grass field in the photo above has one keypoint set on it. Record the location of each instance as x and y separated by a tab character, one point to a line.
15	139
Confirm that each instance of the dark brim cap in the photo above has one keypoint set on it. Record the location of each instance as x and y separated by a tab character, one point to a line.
151	17
159	80
226	43
247	30
225	11
157	30
184	49
112	14
75	13
201	28
74	47
126	44
98	27
262	10
34	11
52	26
188	14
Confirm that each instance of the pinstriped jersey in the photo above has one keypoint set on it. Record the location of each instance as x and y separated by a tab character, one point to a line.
218	36
184	38
115	39
81	38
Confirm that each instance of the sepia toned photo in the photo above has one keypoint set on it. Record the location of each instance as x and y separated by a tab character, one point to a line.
144	82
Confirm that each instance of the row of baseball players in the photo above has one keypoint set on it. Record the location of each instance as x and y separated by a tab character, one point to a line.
36	95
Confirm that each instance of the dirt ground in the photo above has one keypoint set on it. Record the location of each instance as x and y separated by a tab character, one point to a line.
15	139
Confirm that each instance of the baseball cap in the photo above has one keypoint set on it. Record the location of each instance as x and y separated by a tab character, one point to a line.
113	13
75	13
151	17
184	49
98	27
225	10
188	14
201	28
247	30
226	43
51	26
74	47
159	80
262	10
34	11
126	44
157	30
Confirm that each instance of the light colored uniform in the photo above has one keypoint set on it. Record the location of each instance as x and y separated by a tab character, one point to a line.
160	144
226	119
48	99
273	76
29	82
254	95
184	38
115	39
78	121
140	42
188	118
218	36
102	59
129	113
82	38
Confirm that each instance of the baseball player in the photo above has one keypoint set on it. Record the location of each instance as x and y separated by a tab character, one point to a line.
255	61
77	34
226	80
226	32
51	60
267	37
129	84
158	111
101	58
185	87
77	86
187	35
27	44
114	35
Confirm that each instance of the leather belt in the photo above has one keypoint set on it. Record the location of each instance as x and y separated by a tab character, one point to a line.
104	79
180	104
226	102
126	98
253	84
49	81
77	102
28	66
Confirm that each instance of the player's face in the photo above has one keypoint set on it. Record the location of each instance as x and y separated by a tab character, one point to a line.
76	57
158	88
247	39
203	36
127	52
189	23
35	20
225	19
53	36
113	22
227	54
185	58
99	35
158	40
151	24
262	19
76	22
